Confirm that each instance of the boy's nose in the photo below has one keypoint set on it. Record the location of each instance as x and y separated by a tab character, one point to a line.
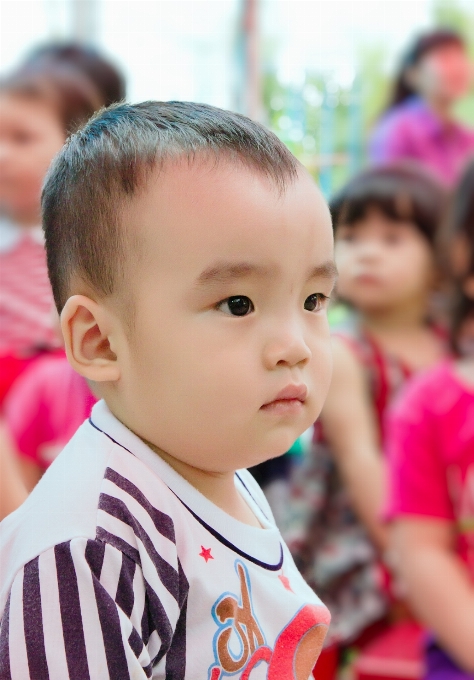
287	349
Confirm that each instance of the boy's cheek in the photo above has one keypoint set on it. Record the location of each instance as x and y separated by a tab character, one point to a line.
322	362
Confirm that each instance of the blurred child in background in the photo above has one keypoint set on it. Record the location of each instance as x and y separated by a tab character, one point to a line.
107	78
39	106
42	411
57	89
430	441
385	222
419	123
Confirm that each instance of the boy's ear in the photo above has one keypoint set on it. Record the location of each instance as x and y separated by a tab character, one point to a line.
87	329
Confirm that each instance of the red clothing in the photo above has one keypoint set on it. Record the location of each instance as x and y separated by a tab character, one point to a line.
330	545
430	444
385	373
26	299
45	407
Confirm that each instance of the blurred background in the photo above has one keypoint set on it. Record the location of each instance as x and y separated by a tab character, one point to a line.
316	71
376	99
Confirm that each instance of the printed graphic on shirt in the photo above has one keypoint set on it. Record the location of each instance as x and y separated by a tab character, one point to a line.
240	644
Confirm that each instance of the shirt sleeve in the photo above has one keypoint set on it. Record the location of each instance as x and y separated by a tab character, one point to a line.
83	610
417	476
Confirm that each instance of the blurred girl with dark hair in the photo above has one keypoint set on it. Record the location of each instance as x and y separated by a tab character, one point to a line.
385	224
430	443
39	106
419	124
106	76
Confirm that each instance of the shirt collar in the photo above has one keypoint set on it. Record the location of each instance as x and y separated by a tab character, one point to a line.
264	543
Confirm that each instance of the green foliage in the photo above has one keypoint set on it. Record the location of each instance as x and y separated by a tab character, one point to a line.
372	66
311	119
323	122
452	14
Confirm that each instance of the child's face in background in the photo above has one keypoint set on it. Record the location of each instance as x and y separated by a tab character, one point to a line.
444	73
229	311
383	264
30	136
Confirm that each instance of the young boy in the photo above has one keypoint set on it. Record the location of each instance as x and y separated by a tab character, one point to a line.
191	258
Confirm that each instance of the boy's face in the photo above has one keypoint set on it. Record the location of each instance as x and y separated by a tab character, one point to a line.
229	311
30	136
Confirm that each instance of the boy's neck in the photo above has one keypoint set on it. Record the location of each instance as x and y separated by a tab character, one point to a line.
218	487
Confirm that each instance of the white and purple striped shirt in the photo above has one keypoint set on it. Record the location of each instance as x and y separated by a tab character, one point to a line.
115	567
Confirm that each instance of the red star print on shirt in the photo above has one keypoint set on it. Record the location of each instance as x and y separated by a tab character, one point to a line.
286	581
206	553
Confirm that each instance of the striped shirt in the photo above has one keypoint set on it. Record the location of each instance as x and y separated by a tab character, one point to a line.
116	567
26	299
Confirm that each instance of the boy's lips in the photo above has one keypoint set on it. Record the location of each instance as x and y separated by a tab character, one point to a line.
289	400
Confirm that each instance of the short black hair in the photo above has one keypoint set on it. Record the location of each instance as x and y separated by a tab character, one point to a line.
110	158
401	191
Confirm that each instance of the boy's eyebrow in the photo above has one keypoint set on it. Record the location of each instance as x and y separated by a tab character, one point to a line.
327	270
225	272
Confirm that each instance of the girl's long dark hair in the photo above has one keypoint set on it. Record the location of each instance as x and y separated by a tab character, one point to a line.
460	225
423	44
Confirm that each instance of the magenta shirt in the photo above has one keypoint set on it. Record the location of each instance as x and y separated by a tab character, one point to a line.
412	131
430	446
44	408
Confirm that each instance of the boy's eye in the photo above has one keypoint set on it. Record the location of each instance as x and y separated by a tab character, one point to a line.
237	305
315	302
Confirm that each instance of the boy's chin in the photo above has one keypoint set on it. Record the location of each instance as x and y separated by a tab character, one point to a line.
274	451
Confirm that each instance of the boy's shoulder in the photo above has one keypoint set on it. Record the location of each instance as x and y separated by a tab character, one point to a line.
113	534
62	506
74	498
108	486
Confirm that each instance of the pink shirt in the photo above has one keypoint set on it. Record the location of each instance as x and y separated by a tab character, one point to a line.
430	444
44	408
411	131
